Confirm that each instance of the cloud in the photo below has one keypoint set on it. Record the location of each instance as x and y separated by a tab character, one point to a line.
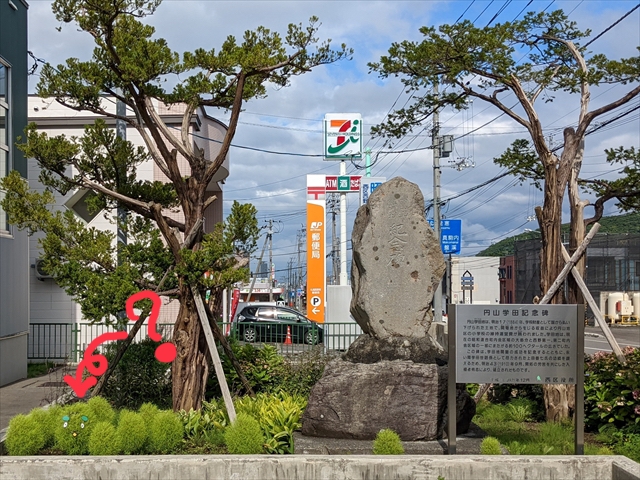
289	120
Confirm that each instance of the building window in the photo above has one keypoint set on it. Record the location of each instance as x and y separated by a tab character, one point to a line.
5	134
78	203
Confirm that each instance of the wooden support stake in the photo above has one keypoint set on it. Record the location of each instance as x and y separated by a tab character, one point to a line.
569	265
222	380
596	311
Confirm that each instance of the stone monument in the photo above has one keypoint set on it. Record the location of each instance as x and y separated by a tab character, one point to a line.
395	374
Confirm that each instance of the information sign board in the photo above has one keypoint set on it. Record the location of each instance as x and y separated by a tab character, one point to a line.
450	234
513	344
516	344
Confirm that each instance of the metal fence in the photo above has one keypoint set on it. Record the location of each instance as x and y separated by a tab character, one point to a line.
68	341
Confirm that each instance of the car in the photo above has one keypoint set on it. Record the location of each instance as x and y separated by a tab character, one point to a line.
265	323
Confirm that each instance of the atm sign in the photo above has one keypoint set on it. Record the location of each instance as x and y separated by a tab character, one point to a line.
343	183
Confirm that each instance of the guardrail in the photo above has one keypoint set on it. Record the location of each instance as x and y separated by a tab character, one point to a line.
68	341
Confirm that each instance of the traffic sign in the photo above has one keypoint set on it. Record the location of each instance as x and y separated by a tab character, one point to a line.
450	235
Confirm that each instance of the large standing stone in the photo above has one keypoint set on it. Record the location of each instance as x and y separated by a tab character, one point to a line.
397	263
357	400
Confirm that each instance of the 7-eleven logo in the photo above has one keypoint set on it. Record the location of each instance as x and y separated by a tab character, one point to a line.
343	135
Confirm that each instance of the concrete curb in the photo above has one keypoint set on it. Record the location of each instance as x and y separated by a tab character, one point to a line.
312	467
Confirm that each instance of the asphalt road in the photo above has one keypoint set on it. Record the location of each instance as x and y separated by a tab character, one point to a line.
625	335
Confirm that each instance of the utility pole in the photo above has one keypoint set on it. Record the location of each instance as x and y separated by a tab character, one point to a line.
301	235
270	237
121	132
435	143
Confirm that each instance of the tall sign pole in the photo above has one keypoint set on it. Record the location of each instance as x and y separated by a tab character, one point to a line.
343	229
316	262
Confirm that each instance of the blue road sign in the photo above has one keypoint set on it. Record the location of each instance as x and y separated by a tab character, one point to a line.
368	185
450	235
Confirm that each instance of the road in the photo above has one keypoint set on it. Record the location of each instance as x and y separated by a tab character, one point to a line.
625	335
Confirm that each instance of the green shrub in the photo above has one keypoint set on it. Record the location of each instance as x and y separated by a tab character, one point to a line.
244	436
48	421
520	410
490	446
278	415
73	429
612	391
298	374
387	442
148	411
132	432
629	446
165	432
503	394
25	435
267	371
104	440
138	378
101	410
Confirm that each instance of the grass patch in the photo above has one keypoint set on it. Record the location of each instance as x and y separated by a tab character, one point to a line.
530	438
39	369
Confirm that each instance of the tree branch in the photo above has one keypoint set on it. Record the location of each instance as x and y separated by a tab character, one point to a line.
589	117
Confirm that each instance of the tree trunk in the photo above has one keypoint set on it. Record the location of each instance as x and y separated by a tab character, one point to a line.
556	397
559	401
577	225
190	369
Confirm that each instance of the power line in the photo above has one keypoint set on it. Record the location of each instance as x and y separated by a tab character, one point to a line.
612	25
465	11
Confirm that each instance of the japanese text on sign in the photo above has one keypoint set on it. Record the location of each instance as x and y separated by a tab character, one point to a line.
519	344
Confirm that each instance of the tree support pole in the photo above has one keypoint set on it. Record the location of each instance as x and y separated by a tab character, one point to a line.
569	265
222	380
596	311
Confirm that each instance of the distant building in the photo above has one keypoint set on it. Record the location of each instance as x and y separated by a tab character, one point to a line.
14	244
484	273
506	274
613	265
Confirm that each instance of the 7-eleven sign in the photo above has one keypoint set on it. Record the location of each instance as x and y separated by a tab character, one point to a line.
342	135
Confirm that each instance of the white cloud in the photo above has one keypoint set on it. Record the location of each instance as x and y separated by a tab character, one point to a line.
291	118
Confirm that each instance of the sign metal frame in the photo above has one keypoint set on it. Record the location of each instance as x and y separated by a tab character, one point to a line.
579	374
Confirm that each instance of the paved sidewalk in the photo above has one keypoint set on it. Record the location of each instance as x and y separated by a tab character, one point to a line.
24	395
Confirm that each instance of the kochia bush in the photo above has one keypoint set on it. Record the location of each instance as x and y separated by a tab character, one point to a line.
25	435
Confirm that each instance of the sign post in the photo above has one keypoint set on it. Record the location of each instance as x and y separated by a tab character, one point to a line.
530	344
316	263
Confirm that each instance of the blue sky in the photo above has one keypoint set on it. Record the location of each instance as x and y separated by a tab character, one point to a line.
290	120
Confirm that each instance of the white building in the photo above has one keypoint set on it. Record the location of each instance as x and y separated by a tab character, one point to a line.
53	312
486	285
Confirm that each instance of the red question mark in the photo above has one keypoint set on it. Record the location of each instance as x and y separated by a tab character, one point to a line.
166	352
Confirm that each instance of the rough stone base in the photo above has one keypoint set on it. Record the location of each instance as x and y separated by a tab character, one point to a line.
356	400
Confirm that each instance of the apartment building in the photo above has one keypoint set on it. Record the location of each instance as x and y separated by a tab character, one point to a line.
14	244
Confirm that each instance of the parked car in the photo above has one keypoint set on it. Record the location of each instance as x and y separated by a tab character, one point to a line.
264	323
